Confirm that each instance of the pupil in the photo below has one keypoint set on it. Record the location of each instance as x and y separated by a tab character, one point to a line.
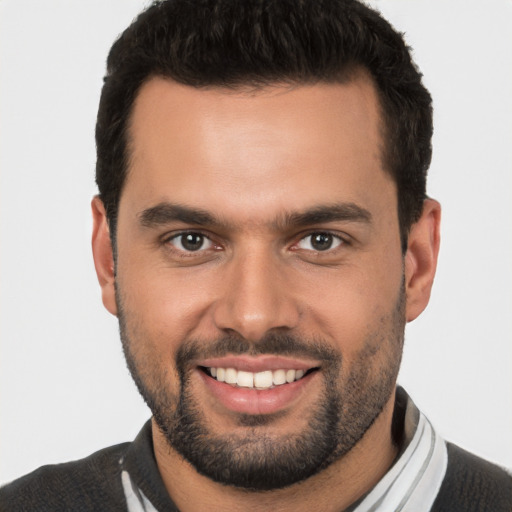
192	241
321	241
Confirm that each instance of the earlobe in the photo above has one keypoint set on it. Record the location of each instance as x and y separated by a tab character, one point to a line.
421	258
103	255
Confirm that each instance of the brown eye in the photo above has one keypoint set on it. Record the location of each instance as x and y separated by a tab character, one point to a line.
190	242
320	241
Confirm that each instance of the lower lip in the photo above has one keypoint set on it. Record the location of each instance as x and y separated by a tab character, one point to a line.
256	401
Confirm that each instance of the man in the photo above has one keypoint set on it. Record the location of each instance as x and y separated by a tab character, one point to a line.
263	234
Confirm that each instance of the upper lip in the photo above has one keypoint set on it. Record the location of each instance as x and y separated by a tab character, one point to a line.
259	363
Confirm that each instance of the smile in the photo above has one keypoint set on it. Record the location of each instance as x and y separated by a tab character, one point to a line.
266	379
257	386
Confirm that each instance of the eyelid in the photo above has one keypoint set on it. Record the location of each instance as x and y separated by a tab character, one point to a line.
341	237
169	237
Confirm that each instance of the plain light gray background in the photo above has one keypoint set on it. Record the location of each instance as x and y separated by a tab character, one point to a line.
64	389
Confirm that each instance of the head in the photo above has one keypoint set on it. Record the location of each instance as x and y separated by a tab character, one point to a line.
262	223
252	44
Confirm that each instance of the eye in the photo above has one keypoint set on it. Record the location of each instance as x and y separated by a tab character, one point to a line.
320	241
191	242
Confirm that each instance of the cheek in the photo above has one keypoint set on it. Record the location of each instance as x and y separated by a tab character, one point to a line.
162	306
149	340
351	304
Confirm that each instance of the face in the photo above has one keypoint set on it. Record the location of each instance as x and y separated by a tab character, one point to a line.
259	275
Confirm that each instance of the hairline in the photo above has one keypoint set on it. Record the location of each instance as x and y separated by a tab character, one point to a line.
350	73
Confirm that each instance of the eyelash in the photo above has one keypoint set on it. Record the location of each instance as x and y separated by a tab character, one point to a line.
183	251
337	239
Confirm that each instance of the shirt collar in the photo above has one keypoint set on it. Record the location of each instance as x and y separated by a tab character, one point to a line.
410	485
413	481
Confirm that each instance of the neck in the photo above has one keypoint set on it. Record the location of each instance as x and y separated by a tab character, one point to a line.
333	489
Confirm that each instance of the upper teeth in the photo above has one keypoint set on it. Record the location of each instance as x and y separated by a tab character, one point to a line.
259	380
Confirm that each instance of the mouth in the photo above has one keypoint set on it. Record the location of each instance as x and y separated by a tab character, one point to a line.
262	380
258	386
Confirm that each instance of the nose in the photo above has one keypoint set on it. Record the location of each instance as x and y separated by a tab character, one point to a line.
256	297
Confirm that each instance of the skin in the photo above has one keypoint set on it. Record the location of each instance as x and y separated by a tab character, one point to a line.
251	158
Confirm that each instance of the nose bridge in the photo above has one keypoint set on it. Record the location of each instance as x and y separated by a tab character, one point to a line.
255	298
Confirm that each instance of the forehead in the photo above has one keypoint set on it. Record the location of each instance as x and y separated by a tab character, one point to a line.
248	152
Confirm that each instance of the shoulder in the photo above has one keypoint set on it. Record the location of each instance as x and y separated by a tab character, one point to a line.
472	484
93	483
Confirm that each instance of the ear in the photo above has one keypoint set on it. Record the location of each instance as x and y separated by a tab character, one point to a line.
103	255
421	258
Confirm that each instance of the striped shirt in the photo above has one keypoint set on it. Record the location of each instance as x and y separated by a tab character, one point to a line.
410	485
427	475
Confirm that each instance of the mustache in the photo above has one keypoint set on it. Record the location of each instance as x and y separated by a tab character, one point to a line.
271	344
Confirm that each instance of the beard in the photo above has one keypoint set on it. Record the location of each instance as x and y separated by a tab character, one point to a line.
254	458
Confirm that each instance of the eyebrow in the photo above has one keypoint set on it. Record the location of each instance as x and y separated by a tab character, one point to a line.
348	212
166	213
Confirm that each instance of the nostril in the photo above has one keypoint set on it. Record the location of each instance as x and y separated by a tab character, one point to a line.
253	310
